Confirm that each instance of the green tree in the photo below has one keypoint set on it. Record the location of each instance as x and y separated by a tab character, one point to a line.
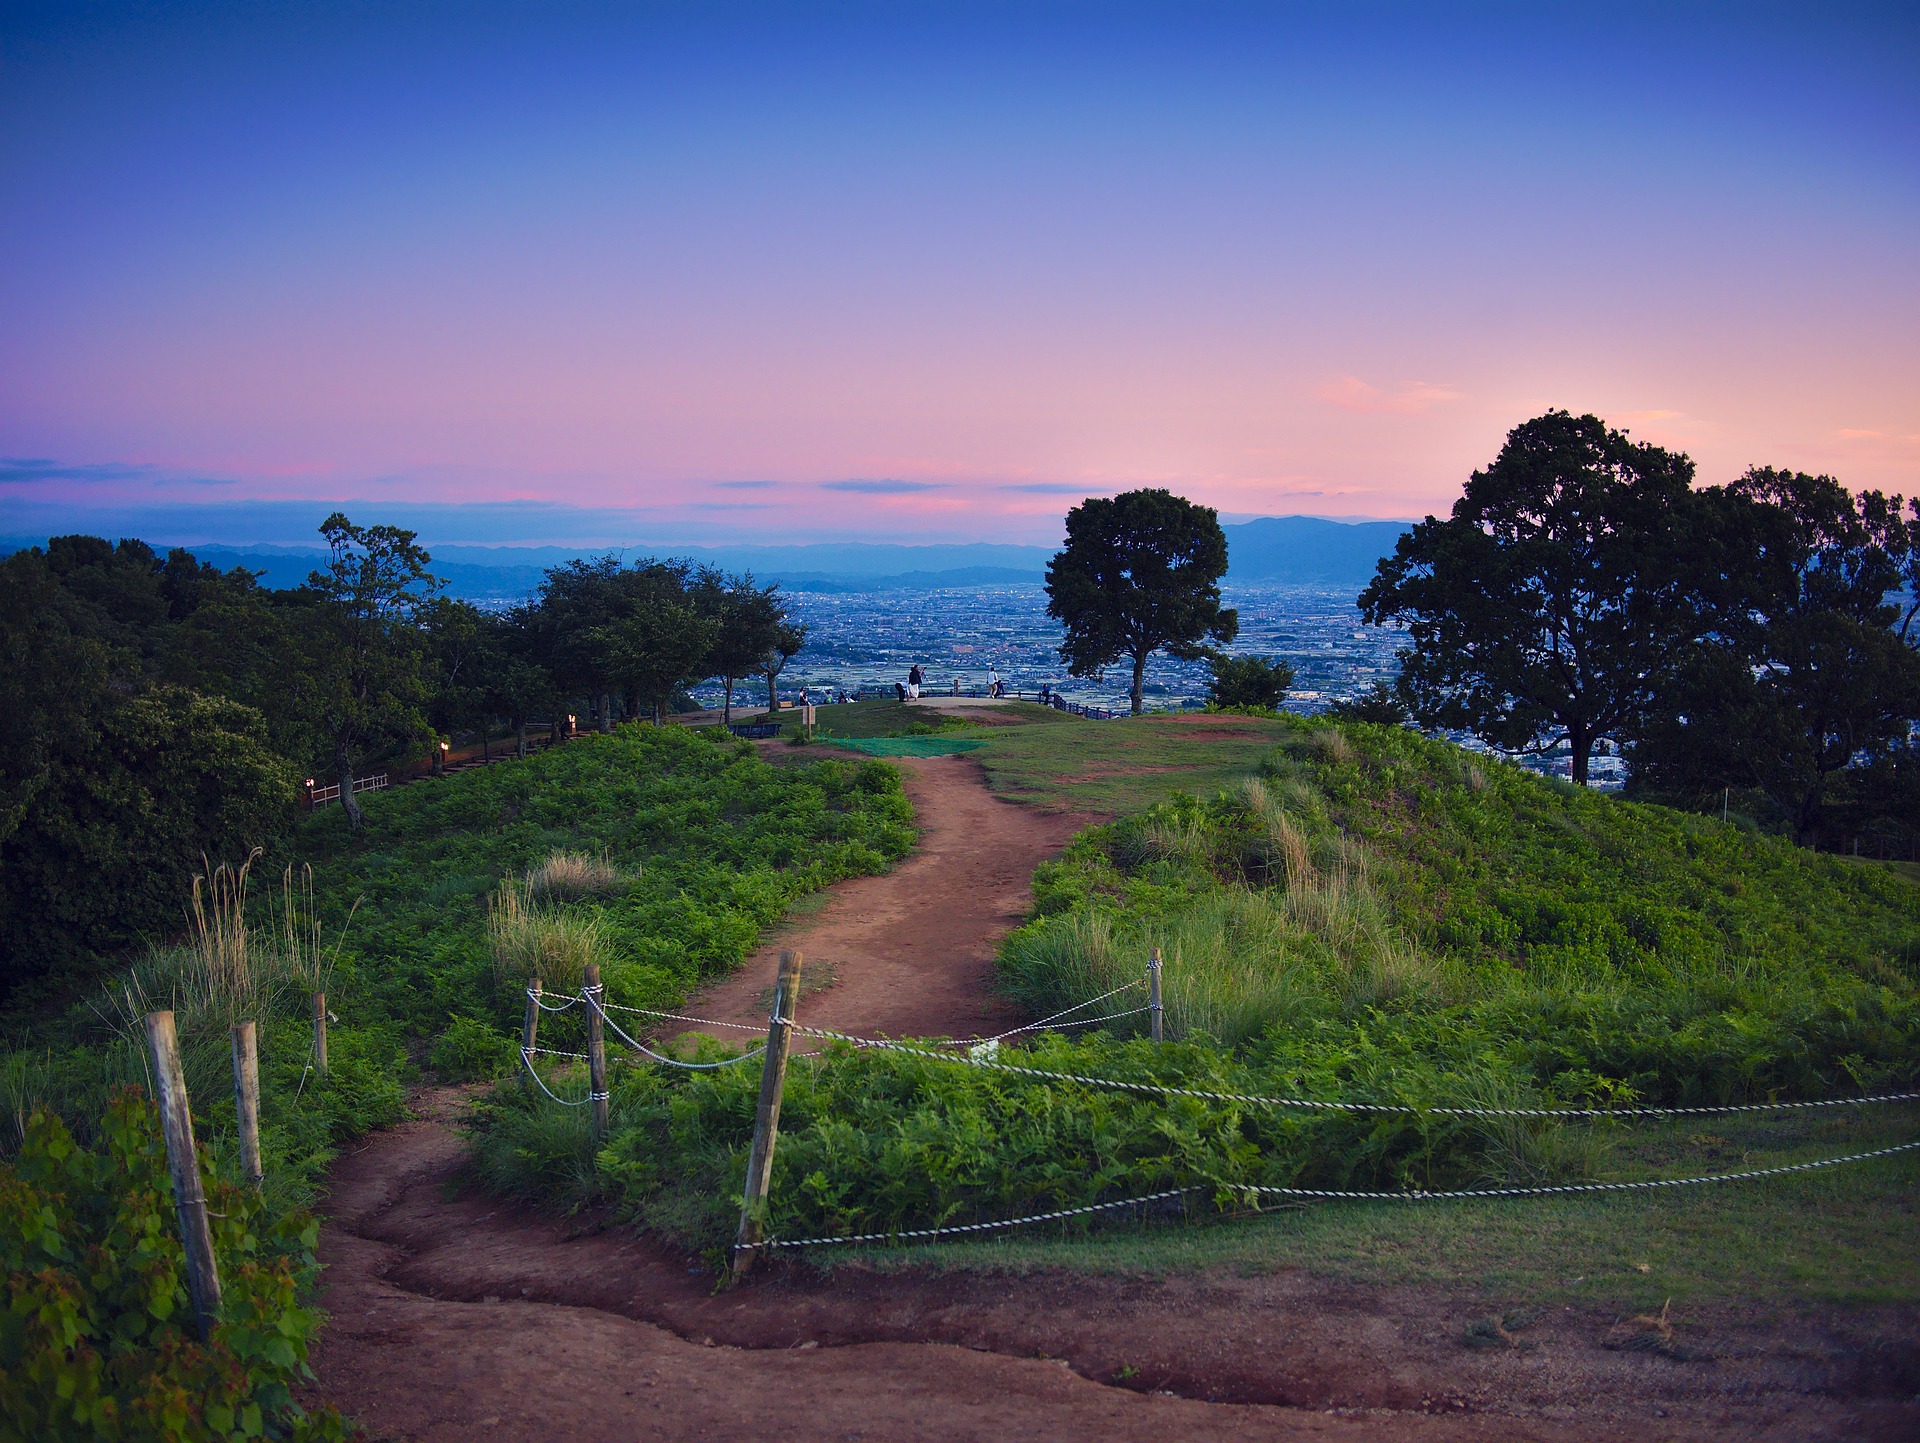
518	686
1808	682
788	638
661	642
747	619
578	602
1140	573
359	664
1249	681
457	656
1557	603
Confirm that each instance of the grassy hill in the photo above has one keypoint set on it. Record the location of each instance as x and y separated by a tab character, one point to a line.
1359	914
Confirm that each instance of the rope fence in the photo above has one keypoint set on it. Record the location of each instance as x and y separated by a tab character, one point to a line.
981	1052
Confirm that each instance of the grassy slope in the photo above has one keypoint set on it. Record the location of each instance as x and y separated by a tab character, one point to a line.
720	845
1844	1235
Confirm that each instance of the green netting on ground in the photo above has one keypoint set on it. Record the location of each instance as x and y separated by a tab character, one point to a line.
905	746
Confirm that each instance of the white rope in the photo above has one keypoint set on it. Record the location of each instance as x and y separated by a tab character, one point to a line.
1578	1186
1329	1193
1068	1012
639	1046
679	1017
1316	1104
968	1227
527	1062
537	1000
552	1052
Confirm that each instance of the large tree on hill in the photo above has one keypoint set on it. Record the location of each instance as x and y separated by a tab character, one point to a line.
358	657
1558	603
788	638
1140	573
747	617
659	642
1809	680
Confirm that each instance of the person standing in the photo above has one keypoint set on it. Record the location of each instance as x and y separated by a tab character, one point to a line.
993	681
914	679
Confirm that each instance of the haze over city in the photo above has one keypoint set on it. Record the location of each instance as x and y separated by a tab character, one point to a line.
656	275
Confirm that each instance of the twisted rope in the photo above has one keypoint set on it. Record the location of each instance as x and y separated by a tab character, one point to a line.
1316	1104
1336	1194
639	1046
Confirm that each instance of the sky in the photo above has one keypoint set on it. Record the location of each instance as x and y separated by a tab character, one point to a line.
656	273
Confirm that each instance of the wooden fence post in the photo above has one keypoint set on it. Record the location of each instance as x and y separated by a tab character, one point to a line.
529	1031
1153	993
766	1118
320	1035
596	1051
189	1198
246	1098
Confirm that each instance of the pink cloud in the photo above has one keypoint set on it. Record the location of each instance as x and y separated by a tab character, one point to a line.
1350	393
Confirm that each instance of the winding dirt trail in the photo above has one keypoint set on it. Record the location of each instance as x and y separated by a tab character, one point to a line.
456	1317
910	953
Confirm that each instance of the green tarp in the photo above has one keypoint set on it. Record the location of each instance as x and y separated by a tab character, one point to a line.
905	746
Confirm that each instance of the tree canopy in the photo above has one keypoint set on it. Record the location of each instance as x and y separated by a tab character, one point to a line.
1557	604
1248	681
1140	573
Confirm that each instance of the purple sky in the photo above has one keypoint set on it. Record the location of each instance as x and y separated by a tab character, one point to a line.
921	272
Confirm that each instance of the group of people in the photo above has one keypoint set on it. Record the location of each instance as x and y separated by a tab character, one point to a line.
909	690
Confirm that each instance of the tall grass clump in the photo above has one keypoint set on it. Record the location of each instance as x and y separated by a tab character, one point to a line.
574	877
231	967
529	941
1273	919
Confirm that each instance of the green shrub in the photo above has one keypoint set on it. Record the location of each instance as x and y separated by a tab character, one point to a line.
97	1338
471	1050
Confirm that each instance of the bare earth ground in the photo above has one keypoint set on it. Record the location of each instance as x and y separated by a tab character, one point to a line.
457	1317
911	953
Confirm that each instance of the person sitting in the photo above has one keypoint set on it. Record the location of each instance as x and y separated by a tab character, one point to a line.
900	691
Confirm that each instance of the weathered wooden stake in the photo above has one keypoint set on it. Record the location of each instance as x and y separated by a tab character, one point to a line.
320	1035
596	1051
246	1099
529	1031
766	1118
1153	993
189	1199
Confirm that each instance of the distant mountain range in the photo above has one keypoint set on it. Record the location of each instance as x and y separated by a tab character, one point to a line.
1299	549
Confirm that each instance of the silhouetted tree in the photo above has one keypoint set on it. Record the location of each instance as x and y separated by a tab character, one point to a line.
1140	573
1557	603
1808	678
1250	681
359	656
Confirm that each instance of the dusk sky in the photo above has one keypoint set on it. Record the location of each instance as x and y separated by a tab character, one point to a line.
687	273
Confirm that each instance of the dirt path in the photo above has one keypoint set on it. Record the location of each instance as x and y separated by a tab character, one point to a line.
911	953
455	1317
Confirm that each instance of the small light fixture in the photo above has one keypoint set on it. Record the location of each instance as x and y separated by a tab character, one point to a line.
443	746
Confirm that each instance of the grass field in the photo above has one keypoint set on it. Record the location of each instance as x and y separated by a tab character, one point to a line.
1844	1236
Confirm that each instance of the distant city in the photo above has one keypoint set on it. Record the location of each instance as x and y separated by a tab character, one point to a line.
865	642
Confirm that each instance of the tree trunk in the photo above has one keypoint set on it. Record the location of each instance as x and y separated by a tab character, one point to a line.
656	713
1139	682
773	696
520	738
343	768
726	703
1806	824
434	758
486	742
1580	741
606	714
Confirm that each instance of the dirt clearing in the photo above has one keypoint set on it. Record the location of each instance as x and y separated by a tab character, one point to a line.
912	951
